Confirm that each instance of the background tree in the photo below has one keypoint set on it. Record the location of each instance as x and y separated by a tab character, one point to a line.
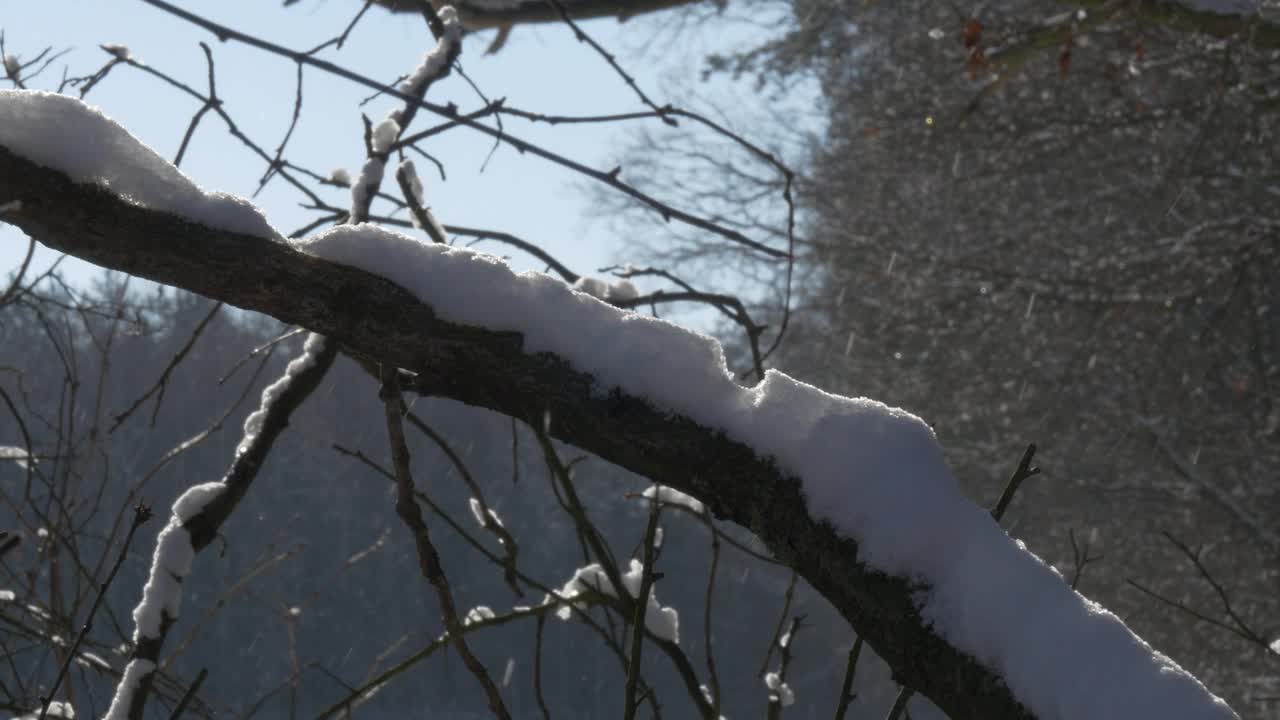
1057	222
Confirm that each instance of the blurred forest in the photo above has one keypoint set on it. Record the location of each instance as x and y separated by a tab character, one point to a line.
1058	223
312	592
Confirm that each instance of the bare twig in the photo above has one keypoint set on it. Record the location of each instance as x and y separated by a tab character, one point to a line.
428	559
639	614
847	695
163	381
141	514
1021	473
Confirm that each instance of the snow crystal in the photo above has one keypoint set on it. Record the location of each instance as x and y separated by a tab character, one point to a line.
663	622
433	62
671	496
67	135
89	659
477	614
194	500
632	577
595	287
133	674
876	473
370	177
620	291
57	709
477	511
590	577
384	135
17	455
162	595
780	692
253	423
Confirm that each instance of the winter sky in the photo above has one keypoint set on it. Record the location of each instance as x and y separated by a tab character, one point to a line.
541	68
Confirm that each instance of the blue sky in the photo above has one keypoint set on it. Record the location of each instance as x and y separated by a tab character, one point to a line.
541	69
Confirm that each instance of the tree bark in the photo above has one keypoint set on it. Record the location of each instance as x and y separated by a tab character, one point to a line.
481	16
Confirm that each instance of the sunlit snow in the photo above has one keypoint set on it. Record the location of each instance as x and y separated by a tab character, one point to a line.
162	595
433	60
65	134
671	496
17	455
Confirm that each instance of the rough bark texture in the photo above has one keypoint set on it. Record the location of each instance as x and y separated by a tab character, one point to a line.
480	16
1262	28
378	320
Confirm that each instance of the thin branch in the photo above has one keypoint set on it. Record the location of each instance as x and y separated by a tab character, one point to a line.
1021	473
141	514
847	695
666	211
428	559
163	381
639	615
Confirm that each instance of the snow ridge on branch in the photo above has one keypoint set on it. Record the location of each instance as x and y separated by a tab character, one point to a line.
65	134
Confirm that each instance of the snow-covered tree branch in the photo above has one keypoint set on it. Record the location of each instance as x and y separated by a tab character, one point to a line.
855	496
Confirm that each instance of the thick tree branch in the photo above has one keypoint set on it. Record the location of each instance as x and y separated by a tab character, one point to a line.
1257	31
376	319
479	15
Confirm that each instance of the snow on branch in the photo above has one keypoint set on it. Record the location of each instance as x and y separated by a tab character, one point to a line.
855	495
162	595
198	514
671	496
435	62
253	424
56	709
663	622
18	455
65	134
